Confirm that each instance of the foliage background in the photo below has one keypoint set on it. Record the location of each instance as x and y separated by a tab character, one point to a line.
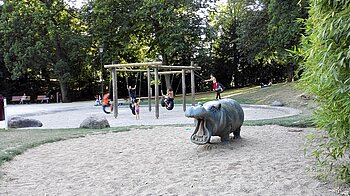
51	46
326	75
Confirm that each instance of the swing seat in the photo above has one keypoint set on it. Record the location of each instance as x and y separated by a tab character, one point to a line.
104	108
169	105
162	102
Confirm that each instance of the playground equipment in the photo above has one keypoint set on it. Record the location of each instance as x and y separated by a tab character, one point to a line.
106	104
106	110
132	92
168	99
167	103
156	66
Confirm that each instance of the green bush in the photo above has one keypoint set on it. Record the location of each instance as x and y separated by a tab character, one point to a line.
326	74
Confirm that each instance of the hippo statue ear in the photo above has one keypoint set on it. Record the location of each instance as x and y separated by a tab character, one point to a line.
218	106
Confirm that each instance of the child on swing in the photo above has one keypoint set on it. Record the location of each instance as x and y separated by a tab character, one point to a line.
107	102
132	93
169	96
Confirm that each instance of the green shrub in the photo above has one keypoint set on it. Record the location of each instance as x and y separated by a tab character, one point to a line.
326	74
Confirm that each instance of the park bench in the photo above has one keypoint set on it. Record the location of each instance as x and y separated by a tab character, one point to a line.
15	99
42	98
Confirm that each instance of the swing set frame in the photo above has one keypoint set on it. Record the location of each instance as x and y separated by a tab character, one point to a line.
156	66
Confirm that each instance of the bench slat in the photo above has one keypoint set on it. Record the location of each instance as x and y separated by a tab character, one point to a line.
42	98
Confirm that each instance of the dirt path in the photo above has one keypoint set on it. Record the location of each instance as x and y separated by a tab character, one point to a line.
268	160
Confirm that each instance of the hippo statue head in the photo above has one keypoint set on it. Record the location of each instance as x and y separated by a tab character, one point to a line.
202	133
216	118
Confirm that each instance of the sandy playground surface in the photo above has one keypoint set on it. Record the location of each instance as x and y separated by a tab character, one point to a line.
268	160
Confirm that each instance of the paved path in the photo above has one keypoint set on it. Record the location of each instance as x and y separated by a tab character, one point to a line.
70	115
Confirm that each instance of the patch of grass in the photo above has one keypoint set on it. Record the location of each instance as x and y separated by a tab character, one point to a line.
293	121
16	141
282	92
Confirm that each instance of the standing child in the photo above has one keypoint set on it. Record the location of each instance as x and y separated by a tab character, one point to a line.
137	108
217	87
98	100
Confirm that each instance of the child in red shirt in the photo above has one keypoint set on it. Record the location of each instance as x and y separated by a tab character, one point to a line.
216	86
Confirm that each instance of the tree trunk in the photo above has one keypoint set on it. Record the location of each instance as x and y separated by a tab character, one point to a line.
167	81
63	80
64	91
167	76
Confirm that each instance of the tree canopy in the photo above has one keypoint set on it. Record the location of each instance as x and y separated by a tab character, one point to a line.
240	42
43	41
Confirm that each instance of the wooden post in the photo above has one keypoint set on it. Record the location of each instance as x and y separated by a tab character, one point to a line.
193	87
115	93
184	89
146	64
156	92
149	89
5	114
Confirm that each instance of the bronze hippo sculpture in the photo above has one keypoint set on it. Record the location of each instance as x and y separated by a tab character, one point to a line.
216	118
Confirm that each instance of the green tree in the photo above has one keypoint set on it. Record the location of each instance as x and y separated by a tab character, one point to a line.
226	54
110	24
284	30
3	71
252	31
326	75
139	30
43	40
254	38
241	41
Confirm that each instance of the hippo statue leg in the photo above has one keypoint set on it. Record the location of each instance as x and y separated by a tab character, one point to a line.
237	133
225	138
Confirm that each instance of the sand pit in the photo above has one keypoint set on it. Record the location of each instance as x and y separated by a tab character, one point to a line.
268	160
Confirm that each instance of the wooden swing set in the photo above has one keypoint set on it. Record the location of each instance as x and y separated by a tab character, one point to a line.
156	66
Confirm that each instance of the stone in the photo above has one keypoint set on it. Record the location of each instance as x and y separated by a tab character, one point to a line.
305	96
95	122
276	103
19	122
